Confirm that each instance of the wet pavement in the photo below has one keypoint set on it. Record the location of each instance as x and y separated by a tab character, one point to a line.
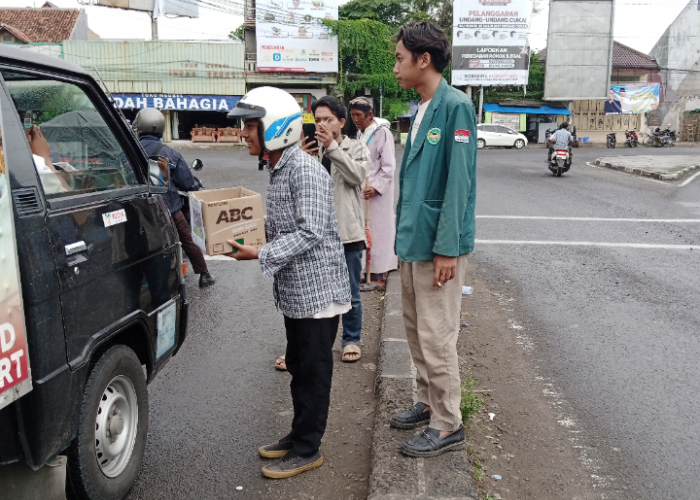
609	307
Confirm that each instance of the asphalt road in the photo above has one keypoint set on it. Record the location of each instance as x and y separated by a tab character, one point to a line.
614	329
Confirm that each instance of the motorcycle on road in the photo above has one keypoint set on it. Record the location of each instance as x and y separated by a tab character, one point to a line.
611	140
631	139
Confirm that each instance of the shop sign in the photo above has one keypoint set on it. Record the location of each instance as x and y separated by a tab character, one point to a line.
176	102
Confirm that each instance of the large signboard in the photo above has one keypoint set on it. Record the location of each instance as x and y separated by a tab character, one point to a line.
181	102
632	99
490	44
15	378
292	38
579	50
159	8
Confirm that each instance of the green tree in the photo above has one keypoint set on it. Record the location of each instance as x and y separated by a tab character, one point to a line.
390	12
237	34
366	60
535	86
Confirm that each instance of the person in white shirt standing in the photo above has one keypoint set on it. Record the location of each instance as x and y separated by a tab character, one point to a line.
379	190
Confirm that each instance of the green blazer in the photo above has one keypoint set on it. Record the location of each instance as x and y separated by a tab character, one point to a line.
435	213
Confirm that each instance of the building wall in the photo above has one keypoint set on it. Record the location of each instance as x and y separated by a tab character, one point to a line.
171	67
80	30
678	54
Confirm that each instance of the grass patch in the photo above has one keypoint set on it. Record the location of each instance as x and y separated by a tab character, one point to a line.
488	496
471	402
477	471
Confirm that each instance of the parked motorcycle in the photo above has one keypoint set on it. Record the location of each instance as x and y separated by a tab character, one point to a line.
611	140
547	134
671	134
631	139
197	165
559	162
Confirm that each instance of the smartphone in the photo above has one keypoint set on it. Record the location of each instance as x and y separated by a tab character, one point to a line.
309	132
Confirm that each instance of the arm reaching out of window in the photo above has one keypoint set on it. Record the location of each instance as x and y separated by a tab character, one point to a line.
40	147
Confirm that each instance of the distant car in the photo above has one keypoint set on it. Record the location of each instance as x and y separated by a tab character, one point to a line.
498	135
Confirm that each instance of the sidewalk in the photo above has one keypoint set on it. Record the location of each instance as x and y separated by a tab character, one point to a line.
665	168
179	145
394	476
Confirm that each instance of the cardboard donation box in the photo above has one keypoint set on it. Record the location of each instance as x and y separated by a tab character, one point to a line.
218	215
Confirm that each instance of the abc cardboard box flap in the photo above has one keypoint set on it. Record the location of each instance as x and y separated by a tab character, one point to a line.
218	215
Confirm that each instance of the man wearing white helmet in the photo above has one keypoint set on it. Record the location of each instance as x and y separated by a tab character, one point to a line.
305	256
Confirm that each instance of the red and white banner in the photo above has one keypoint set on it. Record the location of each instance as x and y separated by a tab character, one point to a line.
15	377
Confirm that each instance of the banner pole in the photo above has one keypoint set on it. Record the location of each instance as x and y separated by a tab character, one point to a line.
481	104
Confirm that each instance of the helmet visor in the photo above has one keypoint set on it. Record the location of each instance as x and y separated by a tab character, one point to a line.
246	111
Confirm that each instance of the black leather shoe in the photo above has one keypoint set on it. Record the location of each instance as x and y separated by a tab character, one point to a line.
410	419
429	444
206	279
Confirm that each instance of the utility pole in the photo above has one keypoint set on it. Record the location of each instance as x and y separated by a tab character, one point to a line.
481	104
381	100
154	27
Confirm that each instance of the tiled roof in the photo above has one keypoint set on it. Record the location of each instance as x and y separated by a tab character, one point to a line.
15	32
624	57
45	25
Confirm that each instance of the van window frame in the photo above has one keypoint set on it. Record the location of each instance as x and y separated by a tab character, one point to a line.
119	130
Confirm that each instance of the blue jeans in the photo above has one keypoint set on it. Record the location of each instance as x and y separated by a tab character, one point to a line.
352	320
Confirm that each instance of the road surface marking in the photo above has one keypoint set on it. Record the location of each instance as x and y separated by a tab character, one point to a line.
649	246
587	219
689	179
623	173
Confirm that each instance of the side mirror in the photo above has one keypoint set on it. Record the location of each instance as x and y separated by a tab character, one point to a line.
197	165
160	184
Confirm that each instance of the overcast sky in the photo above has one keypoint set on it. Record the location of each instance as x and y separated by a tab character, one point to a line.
638	23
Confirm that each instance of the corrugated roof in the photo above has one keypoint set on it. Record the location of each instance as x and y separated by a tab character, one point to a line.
624	57
46	25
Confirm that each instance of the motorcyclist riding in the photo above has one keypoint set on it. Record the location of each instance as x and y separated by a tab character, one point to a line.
561	140
149	125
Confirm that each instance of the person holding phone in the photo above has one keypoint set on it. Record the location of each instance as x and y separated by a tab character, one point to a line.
347	161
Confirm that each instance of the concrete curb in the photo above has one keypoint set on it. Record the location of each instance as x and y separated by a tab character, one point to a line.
645	173
394	476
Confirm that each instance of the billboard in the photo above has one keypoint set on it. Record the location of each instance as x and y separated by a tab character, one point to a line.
159	8
632	99
489	42
292	38
579	50
15	378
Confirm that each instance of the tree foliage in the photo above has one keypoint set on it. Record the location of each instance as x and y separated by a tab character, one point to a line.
237	34
366	60
535	86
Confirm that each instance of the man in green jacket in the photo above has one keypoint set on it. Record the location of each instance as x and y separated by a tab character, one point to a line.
435	232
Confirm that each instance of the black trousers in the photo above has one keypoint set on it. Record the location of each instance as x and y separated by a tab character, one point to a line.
309	360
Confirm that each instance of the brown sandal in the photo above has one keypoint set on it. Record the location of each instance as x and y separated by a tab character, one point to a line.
349	353
281	364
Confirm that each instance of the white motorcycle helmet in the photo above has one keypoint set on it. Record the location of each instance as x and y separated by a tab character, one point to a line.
279	115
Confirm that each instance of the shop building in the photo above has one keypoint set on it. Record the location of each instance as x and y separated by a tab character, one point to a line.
629	67
195	84
531	118
678	55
